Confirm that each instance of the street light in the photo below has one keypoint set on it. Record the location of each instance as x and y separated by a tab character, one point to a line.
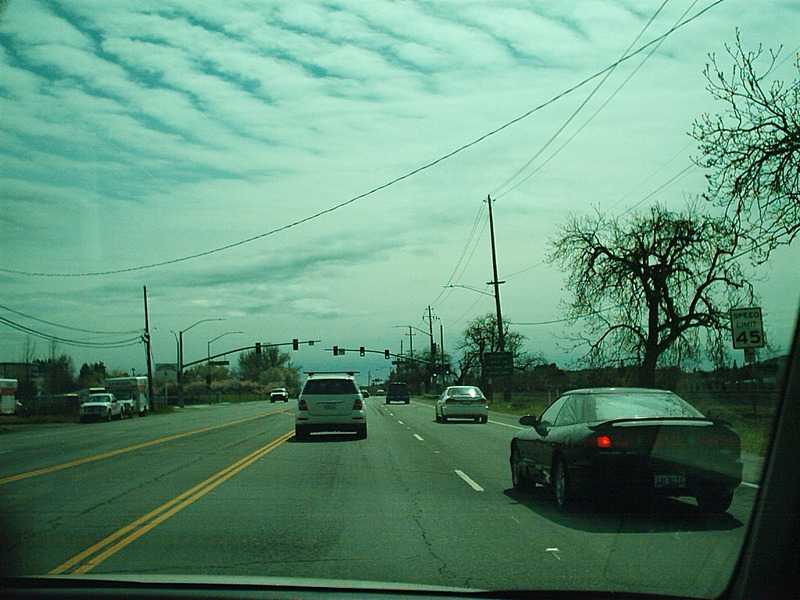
180	357
208	349
474	289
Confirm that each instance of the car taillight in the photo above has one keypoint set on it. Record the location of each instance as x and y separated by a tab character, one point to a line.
604	442
301	405
357	404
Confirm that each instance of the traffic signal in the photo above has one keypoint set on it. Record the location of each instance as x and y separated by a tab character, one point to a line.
336	350
258	347
295	344
362	351
386	354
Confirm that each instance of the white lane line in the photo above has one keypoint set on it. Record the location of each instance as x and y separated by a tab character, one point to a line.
469	481
750	485
506	425
419	438
400	422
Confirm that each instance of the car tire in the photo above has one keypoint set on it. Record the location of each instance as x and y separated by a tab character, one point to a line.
484	419
562	488
715	503
519	480
300	433
407	401
361	432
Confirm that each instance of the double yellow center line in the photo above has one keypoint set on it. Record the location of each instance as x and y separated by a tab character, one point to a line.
96	554
88	459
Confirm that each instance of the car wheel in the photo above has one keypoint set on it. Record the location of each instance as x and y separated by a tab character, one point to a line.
562	488
109	417
715	503
300	433
518	478
361	432
407	401
484	419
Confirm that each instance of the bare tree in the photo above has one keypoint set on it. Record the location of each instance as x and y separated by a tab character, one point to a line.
649	288
752	148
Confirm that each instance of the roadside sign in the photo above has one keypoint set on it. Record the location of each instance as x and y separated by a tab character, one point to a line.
496	364
747	328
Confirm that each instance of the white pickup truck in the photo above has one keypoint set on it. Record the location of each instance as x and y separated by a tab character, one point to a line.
100	407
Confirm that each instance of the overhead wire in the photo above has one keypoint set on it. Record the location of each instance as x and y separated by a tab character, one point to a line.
497	192
82	343
389	183
22	314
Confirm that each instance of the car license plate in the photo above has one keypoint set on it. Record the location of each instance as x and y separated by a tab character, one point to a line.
669	480
329	406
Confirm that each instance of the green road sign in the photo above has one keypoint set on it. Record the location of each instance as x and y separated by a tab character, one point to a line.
496	364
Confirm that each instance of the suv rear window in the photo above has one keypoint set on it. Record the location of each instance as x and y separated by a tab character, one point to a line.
330	386
398	388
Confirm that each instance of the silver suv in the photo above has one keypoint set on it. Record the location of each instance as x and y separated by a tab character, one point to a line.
330	403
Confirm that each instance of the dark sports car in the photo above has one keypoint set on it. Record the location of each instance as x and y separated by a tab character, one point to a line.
613	442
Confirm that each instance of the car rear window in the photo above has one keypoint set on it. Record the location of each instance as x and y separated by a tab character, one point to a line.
330	386
632	406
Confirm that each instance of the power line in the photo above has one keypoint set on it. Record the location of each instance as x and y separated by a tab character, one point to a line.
388	184
575	113
22	314
82	343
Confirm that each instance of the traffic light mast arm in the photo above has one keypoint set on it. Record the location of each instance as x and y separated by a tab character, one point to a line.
242	349
342	349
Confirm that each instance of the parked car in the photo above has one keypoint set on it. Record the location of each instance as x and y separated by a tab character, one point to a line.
397	392
100	407
462	402
380	392
330	403
279	394
614	442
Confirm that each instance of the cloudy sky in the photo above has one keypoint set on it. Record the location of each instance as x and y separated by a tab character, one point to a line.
318	170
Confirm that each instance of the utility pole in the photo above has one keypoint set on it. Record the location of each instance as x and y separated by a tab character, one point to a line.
434	362
441	351
150	397
496	282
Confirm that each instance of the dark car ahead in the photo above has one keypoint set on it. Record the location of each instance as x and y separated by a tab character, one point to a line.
397	392
611	443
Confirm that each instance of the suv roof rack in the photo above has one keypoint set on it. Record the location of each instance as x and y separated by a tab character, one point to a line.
312	373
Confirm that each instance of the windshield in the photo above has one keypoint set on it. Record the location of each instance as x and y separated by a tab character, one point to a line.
215	202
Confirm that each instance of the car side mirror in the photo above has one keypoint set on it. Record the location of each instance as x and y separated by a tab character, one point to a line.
529	421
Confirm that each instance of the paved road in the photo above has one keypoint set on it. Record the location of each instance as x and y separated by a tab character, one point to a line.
226	490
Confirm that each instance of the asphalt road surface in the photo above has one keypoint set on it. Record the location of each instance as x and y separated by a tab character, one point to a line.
226	490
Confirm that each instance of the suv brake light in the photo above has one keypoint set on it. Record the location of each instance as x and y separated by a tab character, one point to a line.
357	404
301	405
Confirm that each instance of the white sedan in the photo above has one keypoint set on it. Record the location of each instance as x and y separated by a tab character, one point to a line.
462	402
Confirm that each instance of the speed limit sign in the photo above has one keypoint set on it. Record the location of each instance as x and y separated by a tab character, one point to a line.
747	328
